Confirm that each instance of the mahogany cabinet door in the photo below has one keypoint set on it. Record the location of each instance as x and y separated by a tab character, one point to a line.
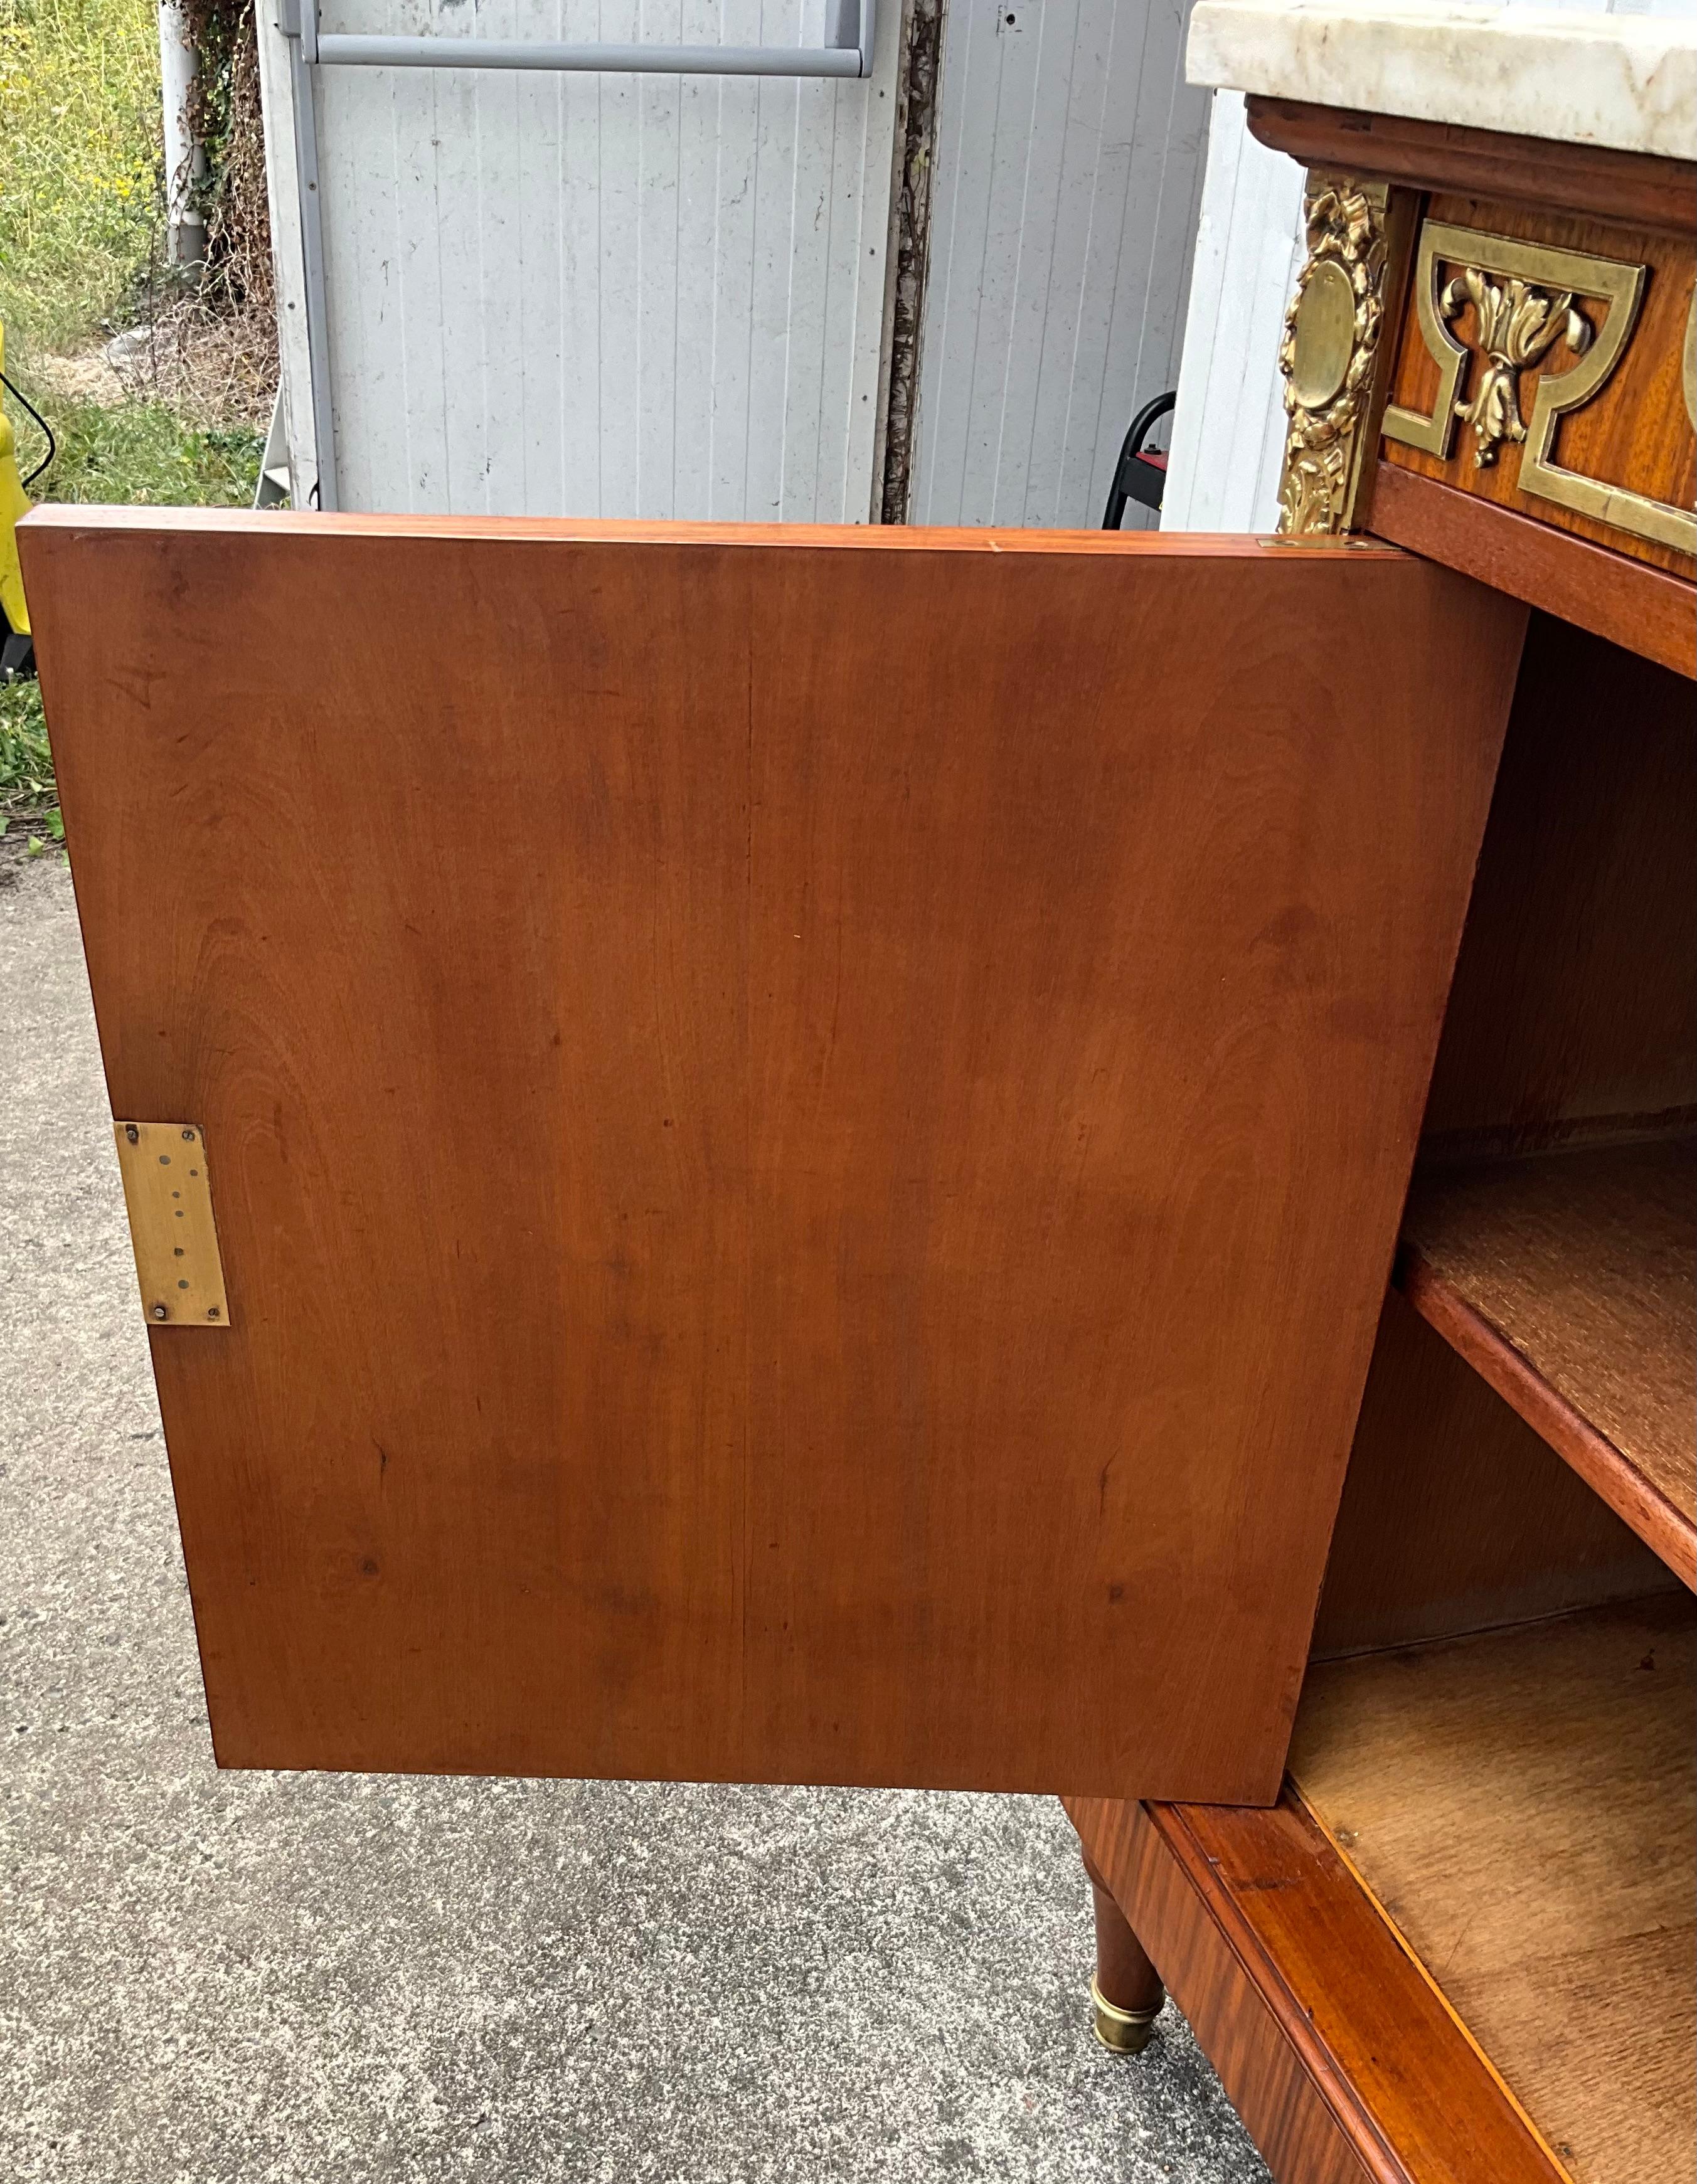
804	1127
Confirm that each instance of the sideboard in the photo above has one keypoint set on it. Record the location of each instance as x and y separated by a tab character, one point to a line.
762	1153
1459	1947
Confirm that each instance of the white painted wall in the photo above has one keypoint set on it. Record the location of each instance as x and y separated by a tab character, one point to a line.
1068	169
1228	432
614	296
1229	429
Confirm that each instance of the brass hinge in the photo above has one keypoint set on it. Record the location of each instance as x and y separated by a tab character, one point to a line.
169	1197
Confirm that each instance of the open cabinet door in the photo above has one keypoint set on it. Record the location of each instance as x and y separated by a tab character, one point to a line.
804	1127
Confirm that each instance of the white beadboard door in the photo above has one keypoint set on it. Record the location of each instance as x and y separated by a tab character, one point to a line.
1068	169
597	295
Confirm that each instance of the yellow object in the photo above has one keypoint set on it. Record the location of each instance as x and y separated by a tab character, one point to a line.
14	503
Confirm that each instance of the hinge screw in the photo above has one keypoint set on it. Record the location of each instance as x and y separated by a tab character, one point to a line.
212	1312
188	1136
159	1313
133	1133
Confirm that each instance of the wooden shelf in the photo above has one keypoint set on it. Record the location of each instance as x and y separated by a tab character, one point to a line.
1459	1947
1566	1281
1337	2050
1521	1806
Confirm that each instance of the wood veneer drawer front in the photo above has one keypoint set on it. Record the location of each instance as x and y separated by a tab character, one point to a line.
1546	363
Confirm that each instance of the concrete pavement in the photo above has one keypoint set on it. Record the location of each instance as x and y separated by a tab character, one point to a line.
308	1978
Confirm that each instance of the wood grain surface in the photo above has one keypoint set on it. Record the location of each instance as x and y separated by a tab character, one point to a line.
1583	1268
1635	431
1523	1805
1125	1977
1335	2048
808	1126
1631	602
1573	1012
1586	178
1457	1515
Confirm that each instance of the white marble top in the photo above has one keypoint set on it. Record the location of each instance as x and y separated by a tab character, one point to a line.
1577	78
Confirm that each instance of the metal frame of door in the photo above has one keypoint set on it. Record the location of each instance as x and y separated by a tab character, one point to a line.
846	53
626	281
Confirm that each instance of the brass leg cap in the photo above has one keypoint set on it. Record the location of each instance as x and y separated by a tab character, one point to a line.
1121	2032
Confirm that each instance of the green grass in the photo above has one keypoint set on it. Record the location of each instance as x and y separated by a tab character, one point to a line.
80	155
27	767
143	454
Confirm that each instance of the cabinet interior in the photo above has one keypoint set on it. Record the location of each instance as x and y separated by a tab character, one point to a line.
1495	1726
1522	1803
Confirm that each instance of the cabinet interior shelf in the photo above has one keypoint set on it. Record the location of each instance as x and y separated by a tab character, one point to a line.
1519	1805
1566	1281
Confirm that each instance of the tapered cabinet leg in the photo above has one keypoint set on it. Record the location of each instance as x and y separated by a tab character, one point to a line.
1125	1992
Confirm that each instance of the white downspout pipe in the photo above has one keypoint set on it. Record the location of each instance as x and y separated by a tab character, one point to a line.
185	159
